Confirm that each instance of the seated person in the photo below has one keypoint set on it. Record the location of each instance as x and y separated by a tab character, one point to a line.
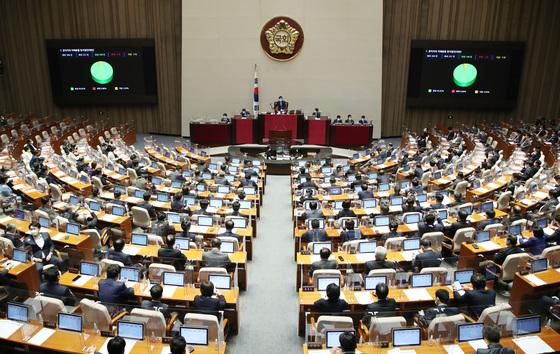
338	119
492	337
117	254
363	120
315	234
117	199
308	195
346	211
410	205
511	248
384	306
427	256
349	119
13	235
41	247
442	308
429	225
439	202
307	183
178	345
229	231
349	233
312	212
215	257
204	203
535	244
365	193
162	227
477	299
248	182
380	261
393	227
113	291
168	253
156	292
325	262
116	345
490	219
51	287
185	226
208	300
146	205
177	205
333	303
348	342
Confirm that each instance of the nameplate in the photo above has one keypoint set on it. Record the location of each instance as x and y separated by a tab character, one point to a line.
106	334
49	324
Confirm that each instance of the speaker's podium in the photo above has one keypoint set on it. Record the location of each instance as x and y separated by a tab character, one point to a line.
292	122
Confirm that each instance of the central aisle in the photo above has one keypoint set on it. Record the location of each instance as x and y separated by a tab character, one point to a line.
269	307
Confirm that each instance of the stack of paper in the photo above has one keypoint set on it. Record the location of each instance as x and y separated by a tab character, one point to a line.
8	328
419	294
82	280
169	291
110	217
478	344
453	349
533	344
365	257
535	280
131	250
489	245
40	337
363	297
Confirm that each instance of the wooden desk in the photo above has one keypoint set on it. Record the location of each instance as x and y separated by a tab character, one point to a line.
190	155
29	192
469	256
164	159
524	291
487	189
72	183
26	275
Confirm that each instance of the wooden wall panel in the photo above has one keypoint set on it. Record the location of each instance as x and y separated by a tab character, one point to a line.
25	24
535	22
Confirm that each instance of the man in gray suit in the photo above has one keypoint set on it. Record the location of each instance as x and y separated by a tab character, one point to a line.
325	262
312	212
215	257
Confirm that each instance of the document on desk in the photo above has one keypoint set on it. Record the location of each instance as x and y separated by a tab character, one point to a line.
535	280
4	219
131	250
9	327
419	294
548	231
540	195
533	344
315	258
489	245
59	236
363	297
109	217
198	229
41	336
478	344
365	257
82	280
453	349
409	255
165	349
169	291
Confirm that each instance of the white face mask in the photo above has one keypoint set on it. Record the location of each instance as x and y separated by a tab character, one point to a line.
34	232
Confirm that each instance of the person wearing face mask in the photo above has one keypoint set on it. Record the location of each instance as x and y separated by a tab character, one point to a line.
225	118
280	105
42	248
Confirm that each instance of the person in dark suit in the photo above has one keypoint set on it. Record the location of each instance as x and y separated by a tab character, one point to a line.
235	207
333	303
346	211
337	120
427	257
439	202
12	235
117	254
51	287
315	234
511	248
113	291
204	203
349	119
156	292
185	226
380	261
171	254
535	244
244	113
225	118
393	227
42	248
229	231
162	227
208	300
492	336
365	193
490	219
410	205
442	308
317	113
363	120
177	205
281	105
146	205
312	212
349	233
116	345
215	257
429	225
307	183
384	306
477	299
348	342
461	223
324	263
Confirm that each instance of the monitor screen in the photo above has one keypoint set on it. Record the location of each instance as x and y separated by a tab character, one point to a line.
370	203
74	200
321	223
443	213
483	236
383	187
176	184
173	218
411	244
333	337
173	279
463	276
381	221
437	175
130	274
227	247
326	170
73	229
371	281
69	322
245	204
232	169
317	246
44	222
486	206
421	280
395	201
467	209
422	198
130	330
139	193
139	239
406	336
541	223
335	191
338	204
351	178
235	160
156	181
95	206
195	335
323	282
120	189
223	189
118	210
189	201
205	220
412	219
527	325
405	184
515	230
220	281
89	268
539	265
182	243
372	175
162	197
19	214
216	203
367	247
469	331
201	187
239	223
249	190
17	312
19	255
207	175
357	189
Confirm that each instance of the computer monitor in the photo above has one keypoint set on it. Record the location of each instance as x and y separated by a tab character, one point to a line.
463	276
121	171
120	189
443	213
74	200
356	155
383	187
370	203
162	197
19	255
95	206
372	175
239	223
235	161
326	170
220	281
227	247
177	184
216	203
201	187
69	322
317	246
130	330
411	244
539	265
371	281
396	201
483	236
139	193
154	165
406	337
333	337
182	242
515	230
232	169
338	204
118	210
250	190
195	335
437	175
381	221
174	218
73	229
421	280
422	198
405	184
17	312
467	209
205	220
173	278
212	166
130	274
475	183
470	331
189	201
156	181
323	282
541	223
351	178
321	223
206	175
223	189
335	191
19	214
367	247
139	239
527	325
486	206
357	189
245	204
412	219
89	268
44	222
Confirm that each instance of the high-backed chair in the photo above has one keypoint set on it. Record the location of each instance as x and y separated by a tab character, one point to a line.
436	239
380	327
105	263
141	218
204	272
156	324
97	315
552	253
391	274
325	273
394	243
439	274
499	315
155	271
48	308
234	240
215	331
461	235
327	322
461	187
444	328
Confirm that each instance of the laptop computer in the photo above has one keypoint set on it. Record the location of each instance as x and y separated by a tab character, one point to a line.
406	337
220	281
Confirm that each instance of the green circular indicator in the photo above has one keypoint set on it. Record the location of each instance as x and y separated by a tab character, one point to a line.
101	72
464	75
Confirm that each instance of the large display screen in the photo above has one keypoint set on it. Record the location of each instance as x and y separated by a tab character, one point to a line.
464	74
102	71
